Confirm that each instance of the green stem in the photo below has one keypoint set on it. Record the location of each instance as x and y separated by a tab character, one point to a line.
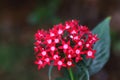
71	73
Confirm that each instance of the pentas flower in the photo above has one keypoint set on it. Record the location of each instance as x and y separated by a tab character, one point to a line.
64	45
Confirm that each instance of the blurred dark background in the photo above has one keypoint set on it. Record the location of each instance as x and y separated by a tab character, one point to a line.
20	19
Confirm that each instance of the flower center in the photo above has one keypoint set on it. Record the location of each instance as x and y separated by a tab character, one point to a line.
60	63
40	62
69	56
52	48
49	41
89	53
52	34
73	32
60	31
69	63
65	46
43	53
79	43
71	36
77	51
47	59
40	34
56	40
55	56
93	38
76	37
87	45
67	27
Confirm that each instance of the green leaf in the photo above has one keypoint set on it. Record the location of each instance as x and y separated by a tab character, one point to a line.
81	72
102	47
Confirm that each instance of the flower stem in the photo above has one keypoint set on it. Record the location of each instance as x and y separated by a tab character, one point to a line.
71	73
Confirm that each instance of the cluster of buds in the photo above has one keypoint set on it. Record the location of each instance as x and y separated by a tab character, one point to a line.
64	45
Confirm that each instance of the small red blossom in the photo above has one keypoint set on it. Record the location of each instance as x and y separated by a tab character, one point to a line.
40	64
69	63
64	45
78	58
59	64
47	60
91	53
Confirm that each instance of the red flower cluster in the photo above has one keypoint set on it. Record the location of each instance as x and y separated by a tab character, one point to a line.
64	45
